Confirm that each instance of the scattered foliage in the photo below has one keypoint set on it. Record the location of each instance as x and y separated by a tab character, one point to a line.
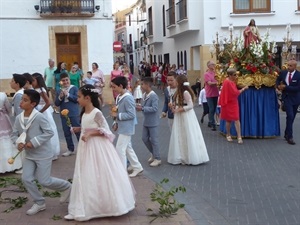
165	198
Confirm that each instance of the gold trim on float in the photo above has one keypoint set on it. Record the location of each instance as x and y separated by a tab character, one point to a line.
257	79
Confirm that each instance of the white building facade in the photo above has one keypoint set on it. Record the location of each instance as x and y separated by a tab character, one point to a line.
182	31
68	31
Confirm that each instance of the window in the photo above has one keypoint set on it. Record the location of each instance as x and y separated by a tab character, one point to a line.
171	13
298	5
246	6
164	21
129	17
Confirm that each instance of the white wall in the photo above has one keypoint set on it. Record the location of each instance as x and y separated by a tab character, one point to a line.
25	38
283	13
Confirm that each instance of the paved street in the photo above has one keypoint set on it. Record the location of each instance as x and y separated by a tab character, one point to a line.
257	183
254	183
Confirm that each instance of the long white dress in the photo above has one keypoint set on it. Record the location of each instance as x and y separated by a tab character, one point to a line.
7	148
187	145
101	186
49	115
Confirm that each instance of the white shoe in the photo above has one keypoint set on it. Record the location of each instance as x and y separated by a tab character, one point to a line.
151	159
35	209
155	162
68	153
69	217
135	172
65	195
129	168
20	171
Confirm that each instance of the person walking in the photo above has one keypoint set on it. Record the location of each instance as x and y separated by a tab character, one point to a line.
169	93
149	108
39	85
212	93
7	149
187	145
32	133
229	104
203	102
97	159
288	82
125	116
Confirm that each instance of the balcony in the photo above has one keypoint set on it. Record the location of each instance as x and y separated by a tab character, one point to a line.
67	8
181	10
136	45
149	29
170	13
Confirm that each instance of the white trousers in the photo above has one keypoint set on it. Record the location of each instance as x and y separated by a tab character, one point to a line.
125	151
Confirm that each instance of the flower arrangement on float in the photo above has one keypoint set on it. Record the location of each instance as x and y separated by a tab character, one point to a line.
255	64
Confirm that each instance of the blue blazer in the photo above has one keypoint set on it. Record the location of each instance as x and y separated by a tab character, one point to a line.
71	104
291	93
166	108
150	110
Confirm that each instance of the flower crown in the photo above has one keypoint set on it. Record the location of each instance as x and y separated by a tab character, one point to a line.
92	90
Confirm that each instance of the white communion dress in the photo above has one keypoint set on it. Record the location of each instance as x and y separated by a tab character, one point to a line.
101	185
187	145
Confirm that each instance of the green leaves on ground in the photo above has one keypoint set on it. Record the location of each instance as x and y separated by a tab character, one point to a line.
165	198
9	182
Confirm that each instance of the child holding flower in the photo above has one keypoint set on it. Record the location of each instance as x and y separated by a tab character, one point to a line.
97	167
32	133
66	98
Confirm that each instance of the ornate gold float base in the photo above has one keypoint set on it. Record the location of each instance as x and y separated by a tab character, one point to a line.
257	80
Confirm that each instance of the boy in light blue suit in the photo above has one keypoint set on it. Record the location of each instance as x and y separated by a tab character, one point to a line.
125	116
149	108
32	133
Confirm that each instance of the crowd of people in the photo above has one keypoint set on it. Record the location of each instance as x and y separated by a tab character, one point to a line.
79	101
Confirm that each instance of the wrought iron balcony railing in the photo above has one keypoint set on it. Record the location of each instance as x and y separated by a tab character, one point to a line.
136	44
170	16
149	29
181	10
67	7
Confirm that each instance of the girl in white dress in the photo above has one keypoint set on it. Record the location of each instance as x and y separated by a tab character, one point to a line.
137	93
101	186
187	145
39	85
7	149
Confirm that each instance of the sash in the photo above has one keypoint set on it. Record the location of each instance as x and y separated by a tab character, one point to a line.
22	137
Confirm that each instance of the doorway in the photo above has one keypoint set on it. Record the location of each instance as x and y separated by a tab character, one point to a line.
68	49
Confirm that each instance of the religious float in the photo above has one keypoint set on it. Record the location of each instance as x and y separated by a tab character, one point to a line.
259	108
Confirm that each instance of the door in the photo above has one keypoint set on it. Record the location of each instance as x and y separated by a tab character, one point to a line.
68	49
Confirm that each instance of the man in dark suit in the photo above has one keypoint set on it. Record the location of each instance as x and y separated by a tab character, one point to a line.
288	82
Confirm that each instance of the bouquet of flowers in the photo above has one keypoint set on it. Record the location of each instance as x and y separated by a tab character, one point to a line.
257	58
65	113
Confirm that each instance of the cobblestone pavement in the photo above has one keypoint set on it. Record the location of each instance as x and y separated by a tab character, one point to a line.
257	183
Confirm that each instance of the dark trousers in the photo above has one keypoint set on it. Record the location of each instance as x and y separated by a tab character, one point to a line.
291	112
212	105
67	132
